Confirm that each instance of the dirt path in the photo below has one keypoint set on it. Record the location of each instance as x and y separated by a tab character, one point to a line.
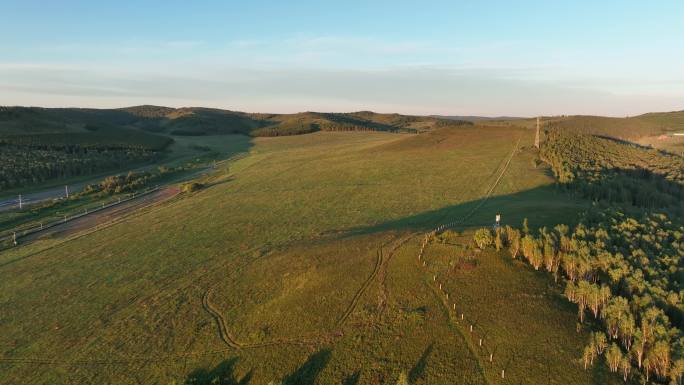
362	289
487	195
382	274
443	296
378	274
235	344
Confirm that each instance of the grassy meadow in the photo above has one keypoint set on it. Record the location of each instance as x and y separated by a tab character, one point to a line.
298	263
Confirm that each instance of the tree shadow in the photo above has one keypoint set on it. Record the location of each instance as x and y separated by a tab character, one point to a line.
309	371
419	368
545	205
222	374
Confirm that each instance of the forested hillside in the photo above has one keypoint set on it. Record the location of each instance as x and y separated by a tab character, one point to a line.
623	264
607	170
194	121
38	145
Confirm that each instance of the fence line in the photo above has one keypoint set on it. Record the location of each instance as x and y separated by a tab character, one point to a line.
452	310
14	235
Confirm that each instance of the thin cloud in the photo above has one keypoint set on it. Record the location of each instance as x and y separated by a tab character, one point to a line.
425	90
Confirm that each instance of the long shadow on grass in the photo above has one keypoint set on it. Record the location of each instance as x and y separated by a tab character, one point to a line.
544	206
222	374
309	371
419	368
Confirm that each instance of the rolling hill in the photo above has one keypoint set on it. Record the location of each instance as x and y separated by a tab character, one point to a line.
312	259
207	121
628	128
298	264
193	121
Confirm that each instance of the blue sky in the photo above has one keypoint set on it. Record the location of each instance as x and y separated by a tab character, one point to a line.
430	57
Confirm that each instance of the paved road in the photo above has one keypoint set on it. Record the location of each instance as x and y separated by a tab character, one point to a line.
39	196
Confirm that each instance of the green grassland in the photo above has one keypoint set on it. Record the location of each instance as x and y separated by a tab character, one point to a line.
486	286
299	263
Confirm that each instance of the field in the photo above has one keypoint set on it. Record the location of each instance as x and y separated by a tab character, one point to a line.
298	263
672	144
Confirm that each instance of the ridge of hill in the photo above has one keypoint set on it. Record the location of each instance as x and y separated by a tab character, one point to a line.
654	129
627	128
477	118
192	121
197	121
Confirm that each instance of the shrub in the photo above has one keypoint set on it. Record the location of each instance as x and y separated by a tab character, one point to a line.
191	187
448	237
483	238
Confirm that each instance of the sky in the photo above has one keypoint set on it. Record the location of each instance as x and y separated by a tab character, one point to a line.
491	58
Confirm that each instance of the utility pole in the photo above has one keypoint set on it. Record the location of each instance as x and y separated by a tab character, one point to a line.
20	203
66	191
536	137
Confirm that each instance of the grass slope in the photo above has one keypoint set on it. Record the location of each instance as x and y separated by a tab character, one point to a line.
299	264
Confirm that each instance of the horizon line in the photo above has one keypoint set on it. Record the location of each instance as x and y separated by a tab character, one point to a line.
493	117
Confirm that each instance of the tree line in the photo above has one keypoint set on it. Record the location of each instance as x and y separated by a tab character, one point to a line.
607	170
623	272
26	165
626	273
623	263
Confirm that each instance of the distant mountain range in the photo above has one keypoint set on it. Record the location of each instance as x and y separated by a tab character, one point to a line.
192	121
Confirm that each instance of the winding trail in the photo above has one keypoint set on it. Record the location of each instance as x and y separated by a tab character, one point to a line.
313	339
364	287
378	271
220	321
235	344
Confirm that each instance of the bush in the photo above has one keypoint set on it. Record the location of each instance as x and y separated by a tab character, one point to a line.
448	237
483	238
191	187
